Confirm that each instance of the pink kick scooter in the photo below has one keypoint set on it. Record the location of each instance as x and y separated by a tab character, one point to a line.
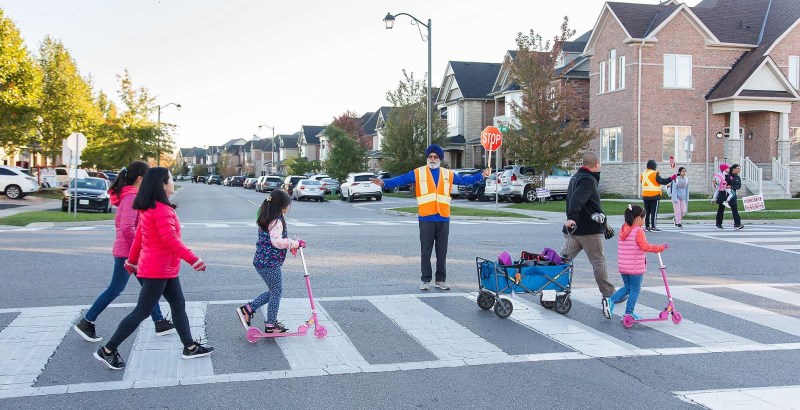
628	320
254	333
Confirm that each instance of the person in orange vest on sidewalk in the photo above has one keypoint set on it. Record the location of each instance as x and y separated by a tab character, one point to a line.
651	194
433	184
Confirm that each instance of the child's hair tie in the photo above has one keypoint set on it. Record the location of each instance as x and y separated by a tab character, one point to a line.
269	198
630	208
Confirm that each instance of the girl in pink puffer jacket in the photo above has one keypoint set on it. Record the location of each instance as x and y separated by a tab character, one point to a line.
631	258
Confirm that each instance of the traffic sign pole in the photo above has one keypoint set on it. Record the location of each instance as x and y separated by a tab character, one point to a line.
491	140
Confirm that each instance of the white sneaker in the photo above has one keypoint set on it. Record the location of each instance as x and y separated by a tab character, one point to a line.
425	286
726	205
442	285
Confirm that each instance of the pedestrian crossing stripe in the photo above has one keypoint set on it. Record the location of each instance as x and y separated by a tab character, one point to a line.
784	239
35	334
297	224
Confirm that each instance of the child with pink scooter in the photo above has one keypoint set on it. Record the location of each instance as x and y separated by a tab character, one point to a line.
632	262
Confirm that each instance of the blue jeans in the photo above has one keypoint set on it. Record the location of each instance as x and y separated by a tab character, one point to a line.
119	279
633	285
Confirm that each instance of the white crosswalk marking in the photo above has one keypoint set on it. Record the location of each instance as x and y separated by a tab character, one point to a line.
764	398
29	341
34	335
785	239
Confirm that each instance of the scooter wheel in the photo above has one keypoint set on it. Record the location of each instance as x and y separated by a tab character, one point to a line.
628	321
485	300
252	335
676	317
320	332
503	308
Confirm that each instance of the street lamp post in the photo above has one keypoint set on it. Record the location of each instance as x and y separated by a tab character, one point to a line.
178	106
274	150
389	20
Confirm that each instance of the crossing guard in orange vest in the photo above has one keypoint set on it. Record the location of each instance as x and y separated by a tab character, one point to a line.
432	188
651	194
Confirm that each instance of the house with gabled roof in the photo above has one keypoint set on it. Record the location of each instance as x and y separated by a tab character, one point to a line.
287	147
308	143
699	85
373	132
463	100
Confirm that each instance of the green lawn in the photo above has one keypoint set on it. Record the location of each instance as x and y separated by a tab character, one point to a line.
458	211
618	207
25	218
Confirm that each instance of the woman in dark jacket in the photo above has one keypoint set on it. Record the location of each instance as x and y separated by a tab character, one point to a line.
734	183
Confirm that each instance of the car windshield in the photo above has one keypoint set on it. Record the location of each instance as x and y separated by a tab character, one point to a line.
26	171
560	172
362	178
329	181
273	179
311	182
90	183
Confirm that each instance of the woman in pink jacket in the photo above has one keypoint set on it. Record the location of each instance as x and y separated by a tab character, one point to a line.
121	194
155	257
631	258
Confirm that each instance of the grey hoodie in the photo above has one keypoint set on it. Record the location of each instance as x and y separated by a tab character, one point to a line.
679	189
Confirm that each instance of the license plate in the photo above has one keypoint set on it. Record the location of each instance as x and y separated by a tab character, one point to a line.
83	202
313	189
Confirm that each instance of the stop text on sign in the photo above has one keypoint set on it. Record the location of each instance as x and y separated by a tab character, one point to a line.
491	138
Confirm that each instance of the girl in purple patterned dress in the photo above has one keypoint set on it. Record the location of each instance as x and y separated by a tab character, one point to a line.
273	241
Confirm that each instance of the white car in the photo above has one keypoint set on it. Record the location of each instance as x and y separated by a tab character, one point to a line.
308	189
357	185
465	172
15	182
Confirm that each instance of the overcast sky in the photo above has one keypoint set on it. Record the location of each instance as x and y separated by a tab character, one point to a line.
236	64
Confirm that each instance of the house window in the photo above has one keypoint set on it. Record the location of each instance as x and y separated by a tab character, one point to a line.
673	138
794	150
612	70
794	70
677	71
611	144
453	120
602	77
622	72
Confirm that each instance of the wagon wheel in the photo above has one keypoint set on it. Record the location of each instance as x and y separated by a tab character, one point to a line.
485	300
503	308
563	304
545	303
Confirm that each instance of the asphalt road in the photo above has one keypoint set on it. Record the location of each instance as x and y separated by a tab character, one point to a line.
391	345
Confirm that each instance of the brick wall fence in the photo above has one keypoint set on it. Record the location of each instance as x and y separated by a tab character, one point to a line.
623	178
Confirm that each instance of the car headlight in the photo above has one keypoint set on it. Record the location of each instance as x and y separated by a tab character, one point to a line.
104	195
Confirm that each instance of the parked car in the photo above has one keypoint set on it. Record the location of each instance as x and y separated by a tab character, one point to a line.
92	195
290	181
201	179
16	182
490	189
112	175
357	185
519	183
214	180
455	192
102	175
64	175
386	175
308	189
249	183
477	191
227	181
330	185
237	181
319	177
269	184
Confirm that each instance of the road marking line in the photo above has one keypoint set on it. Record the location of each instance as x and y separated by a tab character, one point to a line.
786	324
216	225
80	228
570	332
301	224
764	398
442	336
342	223
30	340
765	291
382	223
336	351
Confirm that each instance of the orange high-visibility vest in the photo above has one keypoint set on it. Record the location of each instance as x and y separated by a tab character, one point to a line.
433	199
650	187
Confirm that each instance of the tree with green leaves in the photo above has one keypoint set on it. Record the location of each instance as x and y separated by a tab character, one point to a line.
346	156
302	166
20	87
199	170
550	128
405	134
66	103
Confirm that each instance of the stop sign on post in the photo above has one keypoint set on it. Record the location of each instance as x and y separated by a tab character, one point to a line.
491	138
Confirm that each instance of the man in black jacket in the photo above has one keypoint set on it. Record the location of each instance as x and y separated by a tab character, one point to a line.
583	201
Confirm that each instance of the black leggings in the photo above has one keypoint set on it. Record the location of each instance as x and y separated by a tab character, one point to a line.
152	290
651	212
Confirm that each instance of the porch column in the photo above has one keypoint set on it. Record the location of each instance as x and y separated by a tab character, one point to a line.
783	139
733	146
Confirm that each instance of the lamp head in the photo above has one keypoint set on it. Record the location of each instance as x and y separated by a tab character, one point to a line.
178	106
389	20
719	134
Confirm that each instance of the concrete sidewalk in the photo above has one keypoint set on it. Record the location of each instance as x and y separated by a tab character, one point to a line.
10	207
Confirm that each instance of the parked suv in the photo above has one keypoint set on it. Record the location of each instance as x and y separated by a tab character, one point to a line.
214	180
268	184
290	182
237	181
357	185
519	183
16	182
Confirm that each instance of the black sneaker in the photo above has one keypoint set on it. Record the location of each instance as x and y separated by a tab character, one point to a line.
278	327
113	360
655	230
680	225
199	350
245	316
738	227
85	328
720	227
164	327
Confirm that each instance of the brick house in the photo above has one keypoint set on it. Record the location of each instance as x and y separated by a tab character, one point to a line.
373	131
672	80
309	143
463	100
